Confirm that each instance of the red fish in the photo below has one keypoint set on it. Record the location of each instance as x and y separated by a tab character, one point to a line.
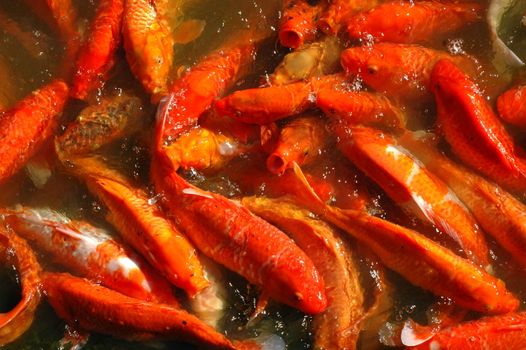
399	173
338	12
301	141
412	22
26	126
97	55
398	70
420	260
149	45
339	326
498	332
498	212
231	235
143	225
472	129
298	24
512	106
15	252
95	308
194	93
91	252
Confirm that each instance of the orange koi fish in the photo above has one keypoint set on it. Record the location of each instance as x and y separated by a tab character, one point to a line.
265	105
498	332
228	233
462	110
398	70
96	56
298	24
417	258
149	45
300	141
89	251
204	149
26	126
512	106
338	12
95	308
113	118
15	252
412	186
194	93
360	107
499	213
143	225
412	22
338	326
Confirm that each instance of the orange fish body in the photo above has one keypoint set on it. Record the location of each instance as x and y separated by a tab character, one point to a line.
194	93
298	24
97	55
398	70
91	252
462	110
26	126
512	106
229	234
498	332
498	212
408	22
143	225
265	105
411	185
149	45
361	107
339	11
300	141
17	253
92	307
338	327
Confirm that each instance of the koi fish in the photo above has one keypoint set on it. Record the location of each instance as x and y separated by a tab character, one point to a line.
338	12
417	258
512	106
498	332
339	325
149	45
16	252
298	23
398	70
412	22
194	93
95	308
113	118
301	141
89	251
410	185
26	126
498	212
96	56
462	110
143	225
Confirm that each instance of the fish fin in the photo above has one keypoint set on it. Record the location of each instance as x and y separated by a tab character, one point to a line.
188	31
307	196
414	334
261	305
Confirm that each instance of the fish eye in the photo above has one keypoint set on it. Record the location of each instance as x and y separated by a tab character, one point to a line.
372	69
